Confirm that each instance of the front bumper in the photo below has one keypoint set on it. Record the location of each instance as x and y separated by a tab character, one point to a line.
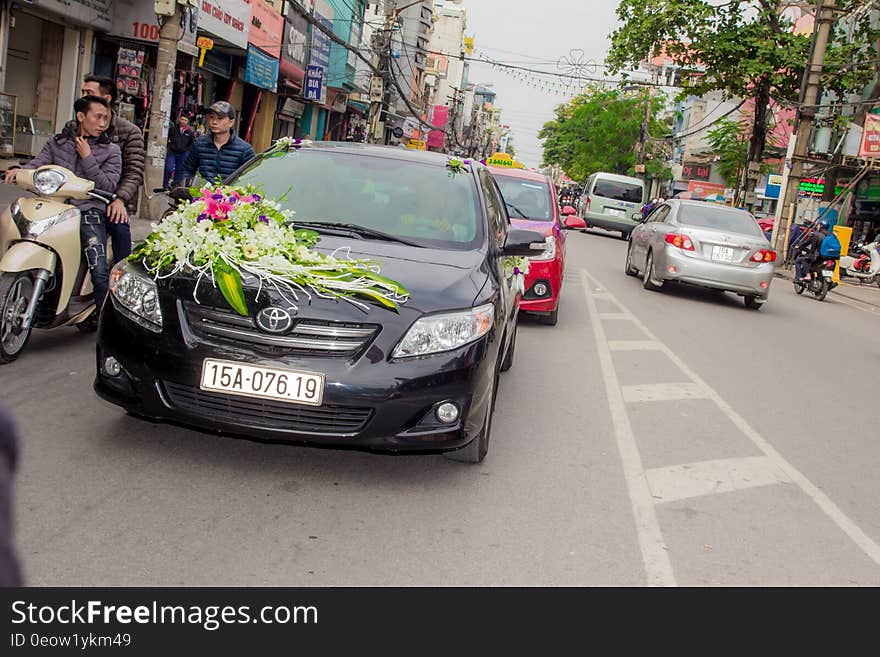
369	402
548	272
716	275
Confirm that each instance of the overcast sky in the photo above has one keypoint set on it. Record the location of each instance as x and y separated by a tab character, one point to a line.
534	33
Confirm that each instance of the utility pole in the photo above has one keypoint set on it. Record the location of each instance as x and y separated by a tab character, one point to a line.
800	136
160	112
643	137
381	45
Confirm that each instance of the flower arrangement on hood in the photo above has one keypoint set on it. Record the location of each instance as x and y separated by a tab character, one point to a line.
225	234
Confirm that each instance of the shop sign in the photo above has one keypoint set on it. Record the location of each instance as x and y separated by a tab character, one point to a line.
417	144
441	116
320	54
871	137
267	27
95	14
704	188
292	108
136	20
229	20
436	139
811	187
696	171
774	186
314	87
296	39
261	70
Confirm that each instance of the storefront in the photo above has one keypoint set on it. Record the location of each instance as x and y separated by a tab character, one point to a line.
864	216
259	102
292	73
48	47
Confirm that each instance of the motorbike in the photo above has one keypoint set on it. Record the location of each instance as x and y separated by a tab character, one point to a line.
864	265
821	274
44	278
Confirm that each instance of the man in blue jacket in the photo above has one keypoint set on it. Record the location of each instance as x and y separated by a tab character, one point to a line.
219	153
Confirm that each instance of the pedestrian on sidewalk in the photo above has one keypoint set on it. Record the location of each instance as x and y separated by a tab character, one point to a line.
85	148
180	140
130	140
217	154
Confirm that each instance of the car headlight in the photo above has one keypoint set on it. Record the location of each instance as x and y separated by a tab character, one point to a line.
549	252
136	296
437	333
48	181
33	229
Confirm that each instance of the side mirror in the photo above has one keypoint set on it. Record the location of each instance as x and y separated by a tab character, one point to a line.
180	194
575	222
567	210
521	242
638	216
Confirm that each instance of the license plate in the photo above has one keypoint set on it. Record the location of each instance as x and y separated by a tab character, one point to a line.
265	382
615	212
827	273
722	253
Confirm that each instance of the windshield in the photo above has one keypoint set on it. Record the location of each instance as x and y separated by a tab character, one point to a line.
618	191
715	218
419	202
526	199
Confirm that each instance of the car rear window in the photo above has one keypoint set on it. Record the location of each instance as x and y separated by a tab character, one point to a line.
526	199
715	218
418	201
619	191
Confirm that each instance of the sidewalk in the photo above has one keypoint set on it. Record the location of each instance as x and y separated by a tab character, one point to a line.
848	288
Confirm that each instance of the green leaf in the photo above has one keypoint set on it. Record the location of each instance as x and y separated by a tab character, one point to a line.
398	288
378	298
229	282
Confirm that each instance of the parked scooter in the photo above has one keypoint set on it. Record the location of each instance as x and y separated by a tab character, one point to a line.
864	265
44	278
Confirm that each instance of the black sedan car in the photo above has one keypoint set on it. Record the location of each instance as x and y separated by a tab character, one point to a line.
419	379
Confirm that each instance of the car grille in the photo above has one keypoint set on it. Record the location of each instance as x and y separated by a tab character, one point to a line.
306	337
266	413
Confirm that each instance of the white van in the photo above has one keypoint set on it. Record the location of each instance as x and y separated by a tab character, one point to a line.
612	202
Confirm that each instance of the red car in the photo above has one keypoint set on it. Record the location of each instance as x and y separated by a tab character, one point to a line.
532	204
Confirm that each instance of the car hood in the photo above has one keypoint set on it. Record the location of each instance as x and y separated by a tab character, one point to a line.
546	228
436	280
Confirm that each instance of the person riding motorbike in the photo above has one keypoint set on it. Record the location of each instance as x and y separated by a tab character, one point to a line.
810	254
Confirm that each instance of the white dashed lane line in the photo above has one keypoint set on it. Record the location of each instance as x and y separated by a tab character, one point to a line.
663	485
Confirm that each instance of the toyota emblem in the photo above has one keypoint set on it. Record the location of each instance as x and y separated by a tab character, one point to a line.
274	320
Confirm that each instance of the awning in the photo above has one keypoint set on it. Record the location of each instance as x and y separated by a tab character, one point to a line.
359	108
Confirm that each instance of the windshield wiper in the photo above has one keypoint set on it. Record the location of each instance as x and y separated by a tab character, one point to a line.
356	229
522	215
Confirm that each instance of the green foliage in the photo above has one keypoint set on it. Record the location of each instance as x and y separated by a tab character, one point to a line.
730	141
599	131
737	46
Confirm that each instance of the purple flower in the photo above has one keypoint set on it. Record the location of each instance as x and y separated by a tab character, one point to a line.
203	217
257	198
467	161
217	197
516	271
297	142
264	219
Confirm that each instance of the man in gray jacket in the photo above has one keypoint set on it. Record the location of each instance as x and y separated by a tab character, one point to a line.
130	140
87	151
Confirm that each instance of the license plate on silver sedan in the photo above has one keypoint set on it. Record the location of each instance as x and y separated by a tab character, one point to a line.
722	253
264	382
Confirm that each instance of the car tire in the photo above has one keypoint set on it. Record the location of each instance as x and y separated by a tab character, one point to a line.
507	363
649	282
753	302
629	269
551	319
476	450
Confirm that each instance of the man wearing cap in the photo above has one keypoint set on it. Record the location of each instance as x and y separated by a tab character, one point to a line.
220	152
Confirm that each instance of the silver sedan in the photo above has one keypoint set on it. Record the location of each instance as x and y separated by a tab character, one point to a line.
703	244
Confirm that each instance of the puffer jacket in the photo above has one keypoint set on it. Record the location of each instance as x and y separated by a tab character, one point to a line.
130	140
210	162
103	166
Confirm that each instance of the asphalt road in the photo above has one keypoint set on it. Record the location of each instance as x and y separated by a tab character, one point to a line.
671	438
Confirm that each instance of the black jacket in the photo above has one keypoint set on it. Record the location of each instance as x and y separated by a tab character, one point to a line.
208	160
180	141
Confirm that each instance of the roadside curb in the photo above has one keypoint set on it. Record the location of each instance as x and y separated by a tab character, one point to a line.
840	290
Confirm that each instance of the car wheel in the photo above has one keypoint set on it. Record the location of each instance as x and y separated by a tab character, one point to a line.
475	451
753	302
550	319
629	269
507	363
649	281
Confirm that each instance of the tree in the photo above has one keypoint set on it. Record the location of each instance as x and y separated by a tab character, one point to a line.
743	48
599	130
730	141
